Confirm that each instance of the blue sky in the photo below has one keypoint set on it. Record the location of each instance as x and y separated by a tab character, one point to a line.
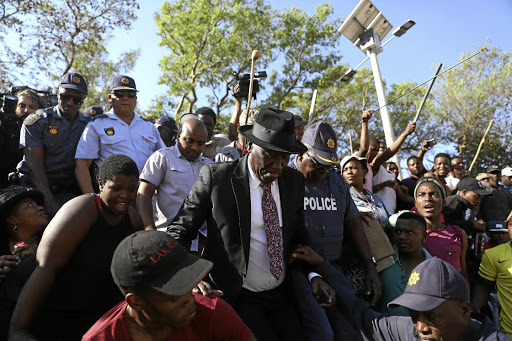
443	31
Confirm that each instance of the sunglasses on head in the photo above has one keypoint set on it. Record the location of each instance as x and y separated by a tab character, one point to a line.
317	164
76	99
121	94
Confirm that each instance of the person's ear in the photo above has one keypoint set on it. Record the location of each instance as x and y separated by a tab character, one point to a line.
134	301
110	97
300	157
100	184
249	146
466	309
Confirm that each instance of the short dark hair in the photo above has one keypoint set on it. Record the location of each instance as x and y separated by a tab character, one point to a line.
413	216
374	139
412	157
443	155
207	112
117	165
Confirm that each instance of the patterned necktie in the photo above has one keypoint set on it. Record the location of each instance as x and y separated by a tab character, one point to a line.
271	221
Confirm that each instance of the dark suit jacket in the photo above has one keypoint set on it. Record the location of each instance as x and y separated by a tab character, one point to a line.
221	197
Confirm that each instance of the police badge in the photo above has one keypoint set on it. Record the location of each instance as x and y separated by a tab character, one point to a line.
109	131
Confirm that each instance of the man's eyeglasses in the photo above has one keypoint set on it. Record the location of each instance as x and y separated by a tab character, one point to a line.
318	165
76	99
121	94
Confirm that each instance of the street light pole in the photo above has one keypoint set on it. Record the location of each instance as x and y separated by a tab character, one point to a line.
379	86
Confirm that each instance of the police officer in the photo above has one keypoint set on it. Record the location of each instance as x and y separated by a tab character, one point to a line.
119	131
330	215
49	138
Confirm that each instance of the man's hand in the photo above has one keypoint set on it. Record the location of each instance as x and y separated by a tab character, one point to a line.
411	127
425	146
317	283
479	225
367	115
205	289
308	255
373	284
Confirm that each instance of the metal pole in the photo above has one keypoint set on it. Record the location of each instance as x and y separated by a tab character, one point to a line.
312	108
386	120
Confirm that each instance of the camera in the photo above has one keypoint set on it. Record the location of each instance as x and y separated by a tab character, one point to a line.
431	143
244	82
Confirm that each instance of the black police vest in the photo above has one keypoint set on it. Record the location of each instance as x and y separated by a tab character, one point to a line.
324	212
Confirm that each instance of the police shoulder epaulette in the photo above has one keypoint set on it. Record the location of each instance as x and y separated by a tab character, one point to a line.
95	117
31	119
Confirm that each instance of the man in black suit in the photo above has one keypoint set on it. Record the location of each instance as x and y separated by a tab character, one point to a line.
254	224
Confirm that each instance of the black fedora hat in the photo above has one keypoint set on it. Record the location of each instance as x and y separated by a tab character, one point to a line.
274	129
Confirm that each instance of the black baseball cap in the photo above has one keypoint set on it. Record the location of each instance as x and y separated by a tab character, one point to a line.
166	121
123	82
322	139
155	259
93	111
75	81
299	121
497	226
431	283
473	185
493	169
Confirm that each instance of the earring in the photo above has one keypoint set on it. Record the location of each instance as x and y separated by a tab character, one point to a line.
15	228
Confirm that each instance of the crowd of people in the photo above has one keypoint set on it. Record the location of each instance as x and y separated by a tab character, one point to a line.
120	229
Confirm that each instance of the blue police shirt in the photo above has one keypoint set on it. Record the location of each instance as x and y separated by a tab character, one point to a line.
108	135
48	129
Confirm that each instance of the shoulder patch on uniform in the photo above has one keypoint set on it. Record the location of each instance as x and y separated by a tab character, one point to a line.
31	119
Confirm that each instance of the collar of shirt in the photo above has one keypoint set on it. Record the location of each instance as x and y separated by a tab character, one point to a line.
112	115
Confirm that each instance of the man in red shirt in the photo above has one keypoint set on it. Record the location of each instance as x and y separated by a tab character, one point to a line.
156	274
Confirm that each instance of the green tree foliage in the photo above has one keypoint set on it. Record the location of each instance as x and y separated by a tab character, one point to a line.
57	36
308	46
207	40
468	97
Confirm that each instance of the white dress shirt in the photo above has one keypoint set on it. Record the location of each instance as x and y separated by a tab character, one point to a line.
259	277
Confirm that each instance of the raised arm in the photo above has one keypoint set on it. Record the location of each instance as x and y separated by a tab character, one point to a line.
393	149
235	117
364	142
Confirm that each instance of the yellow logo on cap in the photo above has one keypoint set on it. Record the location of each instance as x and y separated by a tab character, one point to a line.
415	277
75	79
125	80
330	143
92	112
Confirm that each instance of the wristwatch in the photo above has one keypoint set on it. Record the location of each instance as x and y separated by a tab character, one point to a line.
371	260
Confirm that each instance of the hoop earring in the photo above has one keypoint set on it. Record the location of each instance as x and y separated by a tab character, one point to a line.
15	228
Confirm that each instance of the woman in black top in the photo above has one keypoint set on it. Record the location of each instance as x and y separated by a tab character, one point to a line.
72	286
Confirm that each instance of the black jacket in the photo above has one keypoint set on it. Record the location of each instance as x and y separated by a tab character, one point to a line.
221	197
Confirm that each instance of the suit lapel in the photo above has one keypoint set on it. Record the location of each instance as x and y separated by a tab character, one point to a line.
241	191
285	208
